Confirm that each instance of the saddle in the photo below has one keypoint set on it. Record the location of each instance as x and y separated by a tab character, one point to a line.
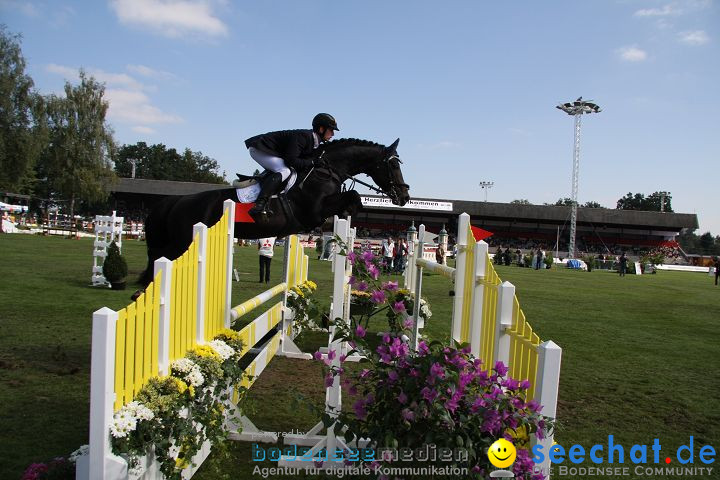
244	181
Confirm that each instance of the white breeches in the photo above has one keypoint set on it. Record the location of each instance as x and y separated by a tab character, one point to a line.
270	162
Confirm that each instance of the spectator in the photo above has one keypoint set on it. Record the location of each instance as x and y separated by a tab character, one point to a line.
622	261
388	254
717	269
319	247
400	254
265	254
440	254
508	256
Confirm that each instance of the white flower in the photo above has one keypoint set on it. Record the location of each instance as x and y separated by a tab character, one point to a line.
183	365
195	378
173	451
189	371
223	349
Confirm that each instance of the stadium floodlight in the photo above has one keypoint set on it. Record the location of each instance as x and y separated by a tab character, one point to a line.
576	109
486	186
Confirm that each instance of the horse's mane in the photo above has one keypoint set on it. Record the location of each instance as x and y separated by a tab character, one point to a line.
346	142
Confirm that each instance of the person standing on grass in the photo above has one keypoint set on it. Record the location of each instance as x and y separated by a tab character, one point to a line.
265	254
623	264
717	269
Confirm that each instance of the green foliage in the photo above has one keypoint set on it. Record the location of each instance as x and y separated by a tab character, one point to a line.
21	136
157	162
548	260
521	201
590	261
114	266
176	414
306	311
592	204
76	165
652	202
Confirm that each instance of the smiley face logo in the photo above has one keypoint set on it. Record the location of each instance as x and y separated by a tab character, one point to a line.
502	453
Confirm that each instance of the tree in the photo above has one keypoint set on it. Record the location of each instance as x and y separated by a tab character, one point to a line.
592	204
77	160
652	203
564	202
521	201
158	162
21	138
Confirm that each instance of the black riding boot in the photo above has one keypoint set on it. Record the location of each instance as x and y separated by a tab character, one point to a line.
268	186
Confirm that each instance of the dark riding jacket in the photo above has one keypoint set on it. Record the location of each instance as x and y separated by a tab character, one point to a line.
289	145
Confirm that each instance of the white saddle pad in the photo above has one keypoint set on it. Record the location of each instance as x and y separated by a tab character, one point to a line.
250	193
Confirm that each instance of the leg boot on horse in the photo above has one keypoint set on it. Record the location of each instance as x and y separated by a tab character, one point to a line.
268	186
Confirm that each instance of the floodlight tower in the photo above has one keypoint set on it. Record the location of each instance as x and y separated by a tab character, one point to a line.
576	109
485	186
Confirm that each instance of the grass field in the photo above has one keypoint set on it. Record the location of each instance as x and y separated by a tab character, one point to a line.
641	355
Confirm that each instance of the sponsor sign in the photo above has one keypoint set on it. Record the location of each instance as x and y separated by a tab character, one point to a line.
413	204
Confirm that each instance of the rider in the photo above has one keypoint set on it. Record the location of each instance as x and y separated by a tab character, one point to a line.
276	151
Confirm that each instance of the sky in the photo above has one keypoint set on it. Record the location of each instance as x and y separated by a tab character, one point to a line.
469	87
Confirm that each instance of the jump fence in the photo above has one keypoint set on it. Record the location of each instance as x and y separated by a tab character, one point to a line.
487	316
187	304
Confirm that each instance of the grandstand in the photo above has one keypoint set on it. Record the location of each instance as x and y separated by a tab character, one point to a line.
599	230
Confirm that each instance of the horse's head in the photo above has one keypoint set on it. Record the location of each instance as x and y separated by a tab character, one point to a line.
350	156
388	176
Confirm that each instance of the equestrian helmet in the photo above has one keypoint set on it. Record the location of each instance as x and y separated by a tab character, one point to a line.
324	120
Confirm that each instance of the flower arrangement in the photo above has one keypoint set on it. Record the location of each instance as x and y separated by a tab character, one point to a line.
439	396
57	468
172	416
305	308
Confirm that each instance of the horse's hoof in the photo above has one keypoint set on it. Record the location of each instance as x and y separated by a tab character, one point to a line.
136	295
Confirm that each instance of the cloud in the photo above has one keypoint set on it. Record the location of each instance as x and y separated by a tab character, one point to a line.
126	95
144	130
696	37
26	8
130	106
172	18
632	54
658	12
151	72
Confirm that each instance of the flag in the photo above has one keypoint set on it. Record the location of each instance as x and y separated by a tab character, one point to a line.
479	233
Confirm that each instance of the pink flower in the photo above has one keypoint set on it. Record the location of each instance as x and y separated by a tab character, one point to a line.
378	296
408	415
390	286
317	355
393	376
374	272
429	394
360	331
408	323
329	379
501	369
351	256
398	307
367	256
525	384
402	398
362	286
423	348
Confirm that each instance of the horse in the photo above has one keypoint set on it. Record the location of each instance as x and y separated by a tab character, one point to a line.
315	197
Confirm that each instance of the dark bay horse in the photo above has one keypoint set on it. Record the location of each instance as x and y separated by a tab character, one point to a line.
315	197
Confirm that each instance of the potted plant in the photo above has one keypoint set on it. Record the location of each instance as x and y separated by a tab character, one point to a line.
115	268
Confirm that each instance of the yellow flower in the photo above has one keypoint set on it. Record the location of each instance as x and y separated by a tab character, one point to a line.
206	351
180	385
358	293
191	389
311	284
231	334
520	436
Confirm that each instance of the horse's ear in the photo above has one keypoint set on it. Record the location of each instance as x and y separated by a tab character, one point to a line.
393	148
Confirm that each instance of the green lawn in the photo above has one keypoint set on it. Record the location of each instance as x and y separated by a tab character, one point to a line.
640	354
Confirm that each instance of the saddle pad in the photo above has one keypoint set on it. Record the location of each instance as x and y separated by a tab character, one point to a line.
248	191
